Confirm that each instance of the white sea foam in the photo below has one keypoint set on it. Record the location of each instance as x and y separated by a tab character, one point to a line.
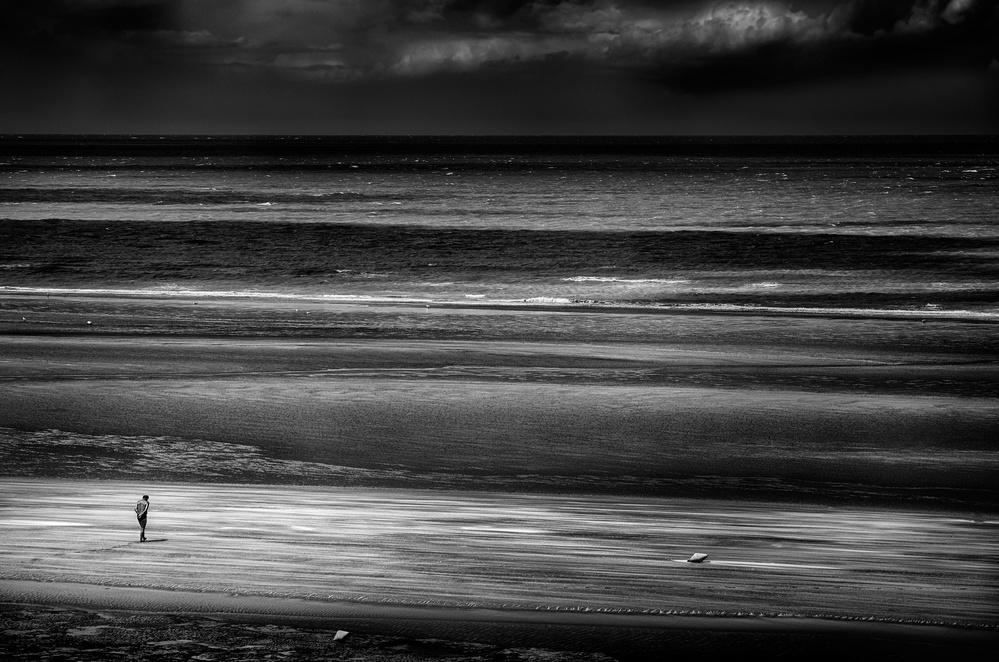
989	315
171	290
635	281
890	313
548	300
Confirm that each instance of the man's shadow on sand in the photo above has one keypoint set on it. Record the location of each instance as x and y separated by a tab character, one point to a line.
149	540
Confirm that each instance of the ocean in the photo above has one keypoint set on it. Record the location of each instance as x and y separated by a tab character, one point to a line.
889	225
751	317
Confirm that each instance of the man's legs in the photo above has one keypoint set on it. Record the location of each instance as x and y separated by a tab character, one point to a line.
142	529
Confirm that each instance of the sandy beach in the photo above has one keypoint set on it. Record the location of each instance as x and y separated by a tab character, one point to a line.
497	570
465	483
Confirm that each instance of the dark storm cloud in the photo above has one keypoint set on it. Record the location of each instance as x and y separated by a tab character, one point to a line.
868	17
61	39
40	25
250	62
52	16
866	37
675	37
693	47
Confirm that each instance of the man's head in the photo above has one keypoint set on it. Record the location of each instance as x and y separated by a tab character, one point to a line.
145	497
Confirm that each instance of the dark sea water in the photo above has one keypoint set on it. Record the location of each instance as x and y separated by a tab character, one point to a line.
789	315
876	224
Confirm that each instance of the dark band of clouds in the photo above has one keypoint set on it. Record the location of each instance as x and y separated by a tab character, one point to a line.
687	48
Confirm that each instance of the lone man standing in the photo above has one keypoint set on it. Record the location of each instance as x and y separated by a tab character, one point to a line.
141	510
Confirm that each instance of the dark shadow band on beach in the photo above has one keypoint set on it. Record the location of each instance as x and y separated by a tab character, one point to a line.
57	454
435	630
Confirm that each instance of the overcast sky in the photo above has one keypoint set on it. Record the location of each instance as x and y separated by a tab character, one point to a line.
499	66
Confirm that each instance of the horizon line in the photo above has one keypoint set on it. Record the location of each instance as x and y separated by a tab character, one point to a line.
699	136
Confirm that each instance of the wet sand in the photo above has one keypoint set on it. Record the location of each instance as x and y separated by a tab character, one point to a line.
670	405
505	478
502	569
42	632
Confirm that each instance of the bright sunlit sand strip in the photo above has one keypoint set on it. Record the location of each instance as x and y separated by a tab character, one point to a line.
38	523
758	564
513	552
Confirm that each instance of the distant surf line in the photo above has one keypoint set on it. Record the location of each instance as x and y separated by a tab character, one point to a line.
478	301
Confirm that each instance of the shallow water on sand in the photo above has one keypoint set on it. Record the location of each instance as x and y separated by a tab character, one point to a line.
847	410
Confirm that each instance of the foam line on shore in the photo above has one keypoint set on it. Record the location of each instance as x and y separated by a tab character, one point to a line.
532	302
